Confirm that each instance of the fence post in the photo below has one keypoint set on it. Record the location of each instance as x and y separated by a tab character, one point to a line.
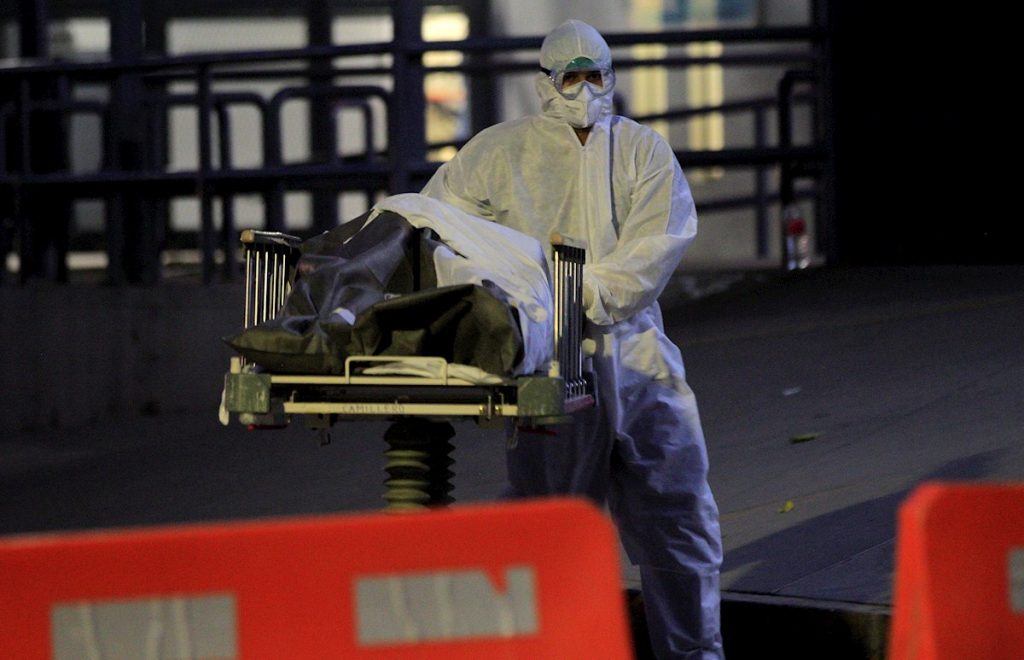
483	88
406	112
140	258
323	129
207	236
44	218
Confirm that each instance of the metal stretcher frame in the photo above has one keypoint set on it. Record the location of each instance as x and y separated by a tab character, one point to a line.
262	399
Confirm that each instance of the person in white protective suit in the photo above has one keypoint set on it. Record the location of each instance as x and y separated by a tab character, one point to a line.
580	170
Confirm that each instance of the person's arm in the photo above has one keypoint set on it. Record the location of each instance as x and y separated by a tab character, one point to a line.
460	186
661	224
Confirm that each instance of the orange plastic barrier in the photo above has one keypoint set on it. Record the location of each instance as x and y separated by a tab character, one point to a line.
532	579
959	589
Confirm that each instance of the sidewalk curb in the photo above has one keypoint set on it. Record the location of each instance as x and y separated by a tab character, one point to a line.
756	626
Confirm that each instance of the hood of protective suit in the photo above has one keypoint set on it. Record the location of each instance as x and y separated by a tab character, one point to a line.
574	39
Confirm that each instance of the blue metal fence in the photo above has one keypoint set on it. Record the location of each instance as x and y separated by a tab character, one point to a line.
135	183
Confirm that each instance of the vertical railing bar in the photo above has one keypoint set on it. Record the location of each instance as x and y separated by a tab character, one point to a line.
273	284
570	316
227	199
23	225
580	319
554	297
576	328
261	278
255	287
266	282
284	277
280	278
24	132
207	236
263	286
762	230
257	290
570	368
269	287
576	323
261	292
566	358
248	285
275	304
556	290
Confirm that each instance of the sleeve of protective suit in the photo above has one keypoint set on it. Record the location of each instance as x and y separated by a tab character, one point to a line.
660	225
461	186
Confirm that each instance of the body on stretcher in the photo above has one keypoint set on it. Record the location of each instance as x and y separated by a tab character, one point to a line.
392	387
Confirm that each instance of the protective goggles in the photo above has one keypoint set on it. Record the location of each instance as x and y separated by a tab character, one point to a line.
570	80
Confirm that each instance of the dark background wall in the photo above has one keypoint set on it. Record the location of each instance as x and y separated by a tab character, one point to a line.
77	355
923	120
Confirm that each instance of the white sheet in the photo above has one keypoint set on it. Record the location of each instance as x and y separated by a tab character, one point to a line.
482	250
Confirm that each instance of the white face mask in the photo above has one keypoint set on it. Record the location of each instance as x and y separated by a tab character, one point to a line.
579	112
586	108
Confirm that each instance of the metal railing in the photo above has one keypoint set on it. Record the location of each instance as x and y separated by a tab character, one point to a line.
136	184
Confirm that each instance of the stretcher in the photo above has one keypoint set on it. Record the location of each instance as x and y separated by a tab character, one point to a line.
420	408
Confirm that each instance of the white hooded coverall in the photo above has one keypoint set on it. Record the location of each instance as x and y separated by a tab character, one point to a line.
642	448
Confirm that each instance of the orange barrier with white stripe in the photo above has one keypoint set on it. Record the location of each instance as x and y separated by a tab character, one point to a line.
959	583
531	579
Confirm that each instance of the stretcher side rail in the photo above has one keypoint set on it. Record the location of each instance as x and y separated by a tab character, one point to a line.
263	399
